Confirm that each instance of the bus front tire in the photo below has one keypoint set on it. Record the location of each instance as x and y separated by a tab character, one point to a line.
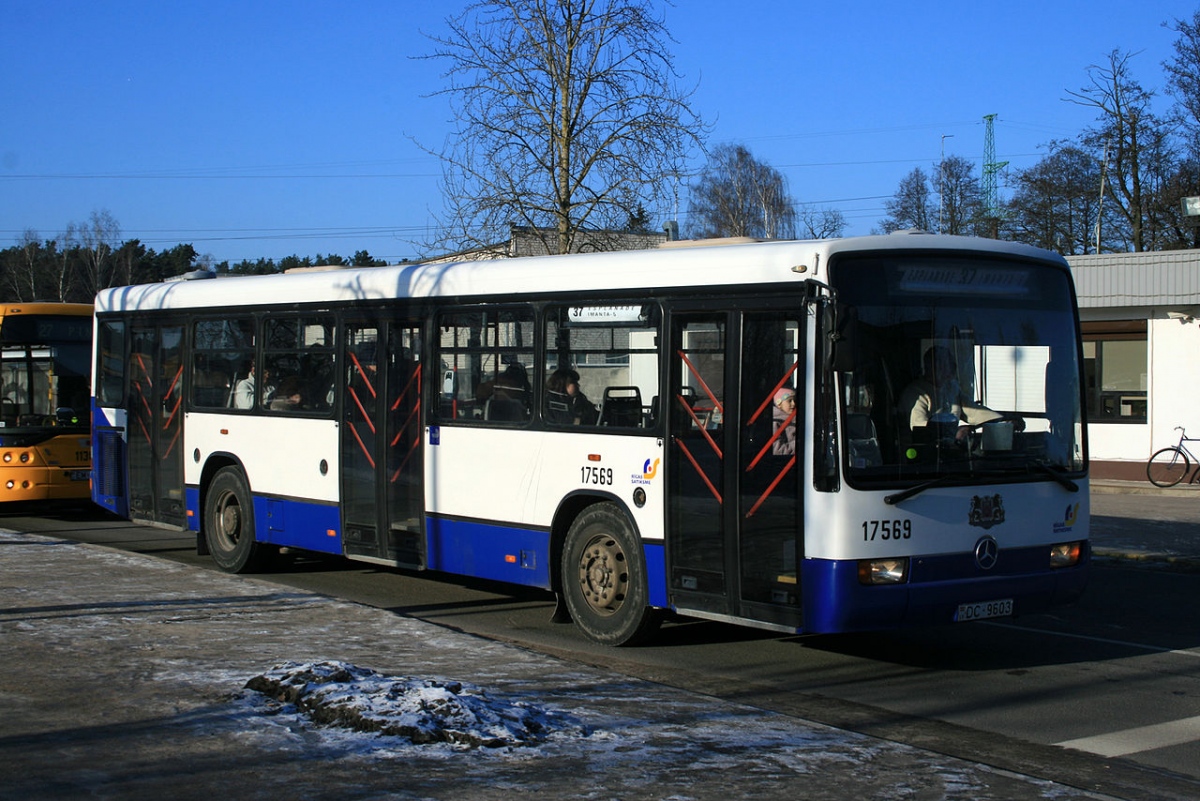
229	523
604	578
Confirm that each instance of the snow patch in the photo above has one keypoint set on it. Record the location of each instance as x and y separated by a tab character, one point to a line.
421	711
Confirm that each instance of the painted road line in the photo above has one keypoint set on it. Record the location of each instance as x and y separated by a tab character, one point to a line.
1143	738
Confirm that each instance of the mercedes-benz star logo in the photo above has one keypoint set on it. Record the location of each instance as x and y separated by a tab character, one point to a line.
986	553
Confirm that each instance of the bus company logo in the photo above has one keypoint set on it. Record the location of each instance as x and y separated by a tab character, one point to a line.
1068	521
649	471
986	511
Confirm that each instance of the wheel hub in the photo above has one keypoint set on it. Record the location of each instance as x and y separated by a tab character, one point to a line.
602	575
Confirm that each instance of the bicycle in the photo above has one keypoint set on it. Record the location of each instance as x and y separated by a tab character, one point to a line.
1168	466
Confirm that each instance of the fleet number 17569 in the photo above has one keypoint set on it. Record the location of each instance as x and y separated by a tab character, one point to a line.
886	530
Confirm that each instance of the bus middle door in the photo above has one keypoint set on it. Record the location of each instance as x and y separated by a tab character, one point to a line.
383	499
734	536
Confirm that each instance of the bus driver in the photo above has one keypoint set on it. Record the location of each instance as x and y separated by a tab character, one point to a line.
935	396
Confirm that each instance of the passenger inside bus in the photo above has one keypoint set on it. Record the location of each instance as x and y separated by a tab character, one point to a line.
565	401
243	392
507	397
289	396
784	416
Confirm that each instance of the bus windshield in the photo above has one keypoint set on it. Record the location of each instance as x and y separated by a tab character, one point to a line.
959	368
43	373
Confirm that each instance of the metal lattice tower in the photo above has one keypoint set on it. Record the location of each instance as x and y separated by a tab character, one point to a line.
991	200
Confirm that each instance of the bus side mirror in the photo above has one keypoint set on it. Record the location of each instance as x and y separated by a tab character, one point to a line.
842	336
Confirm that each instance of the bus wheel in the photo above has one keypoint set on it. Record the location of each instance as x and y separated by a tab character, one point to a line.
604	578
229	523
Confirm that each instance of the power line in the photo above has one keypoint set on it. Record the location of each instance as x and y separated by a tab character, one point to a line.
187	177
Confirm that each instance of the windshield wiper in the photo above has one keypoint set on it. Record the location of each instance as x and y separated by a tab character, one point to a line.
904	495
1054	473
1057	474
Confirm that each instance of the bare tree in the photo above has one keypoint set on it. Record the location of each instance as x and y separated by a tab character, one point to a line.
22	274
1183	79
960	206
813	223
1128	129
738	195
66	249
1171	230
98	239
568	117
910	207
1056	201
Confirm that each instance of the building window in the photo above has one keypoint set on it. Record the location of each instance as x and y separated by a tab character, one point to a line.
1115	365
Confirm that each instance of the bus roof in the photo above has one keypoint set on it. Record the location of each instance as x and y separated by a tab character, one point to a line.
705	265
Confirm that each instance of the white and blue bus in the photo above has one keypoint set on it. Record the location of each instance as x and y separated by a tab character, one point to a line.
742	432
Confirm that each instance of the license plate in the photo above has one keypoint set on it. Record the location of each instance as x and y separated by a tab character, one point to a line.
983	609
79	475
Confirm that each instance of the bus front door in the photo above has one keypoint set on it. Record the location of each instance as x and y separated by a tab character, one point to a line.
383	499
734	530
154	437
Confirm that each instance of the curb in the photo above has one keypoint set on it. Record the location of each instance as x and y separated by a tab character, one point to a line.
1148	559
1109	486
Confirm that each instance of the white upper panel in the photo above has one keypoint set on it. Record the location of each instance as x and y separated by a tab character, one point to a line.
713	265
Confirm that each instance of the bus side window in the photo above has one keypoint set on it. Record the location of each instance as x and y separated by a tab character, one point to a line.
613	351
487	359
221	346
298	365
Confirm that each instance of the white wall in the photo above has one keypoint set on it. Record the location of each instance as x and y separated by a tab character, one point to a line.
1174	380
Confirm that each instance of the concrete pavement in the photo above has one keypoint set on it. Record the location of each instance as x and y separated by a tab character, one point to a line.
121	676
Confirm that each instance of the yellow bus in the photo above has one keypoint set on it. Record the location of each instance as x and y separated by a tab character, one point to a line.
45	441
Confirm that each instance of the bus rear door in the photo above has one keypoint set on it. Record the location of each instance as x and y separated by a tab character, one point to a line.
155	425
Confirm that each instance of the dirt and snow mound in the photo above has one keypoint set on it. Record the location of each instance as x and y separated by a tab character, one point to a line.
423	711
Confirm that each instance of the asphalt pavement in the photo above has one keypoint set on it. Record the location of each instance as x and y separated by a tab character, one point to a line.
122	676
1135	521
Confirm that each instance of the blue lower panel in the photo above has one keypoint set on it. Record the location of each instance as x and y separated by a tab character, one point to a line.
298	524
285	522
656	574
484	550
109	467
834	601
191	499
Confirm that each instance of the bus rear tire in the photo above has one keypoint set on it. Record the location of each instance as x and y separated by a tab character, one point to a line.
229	523
604	578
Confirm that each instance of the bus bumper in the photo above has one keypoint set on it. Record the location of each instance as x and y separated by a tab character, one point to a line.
46	484
835	601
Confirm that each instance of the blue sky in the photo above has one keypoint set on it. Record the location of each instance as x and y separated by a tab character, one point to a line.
266	129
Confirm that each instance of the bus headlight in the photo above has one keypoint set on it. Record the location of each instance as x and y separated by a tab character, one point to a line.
883	571
24	457
1065	554
8	456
